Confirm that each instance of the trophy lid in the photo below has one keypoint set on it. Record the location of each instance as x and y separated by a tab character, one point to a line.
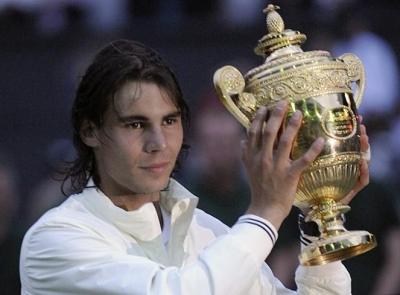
290	73
277	37
287	73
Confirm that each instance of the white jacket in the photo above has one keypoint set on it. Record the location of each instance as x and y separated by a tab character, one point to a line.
87	245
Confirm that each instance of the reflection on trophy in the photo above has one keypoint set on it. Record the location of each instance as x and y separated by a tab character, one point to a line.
321	87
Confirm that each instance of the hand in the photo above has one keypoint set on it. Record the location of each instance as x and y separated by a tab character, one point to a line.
363	180
273	175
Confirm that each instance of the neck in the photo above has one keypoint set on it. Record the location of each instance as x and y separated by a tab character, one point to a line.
130	203
133	202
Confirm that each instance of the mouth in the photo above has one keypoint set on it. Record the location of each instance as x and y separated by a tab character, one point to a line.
156	168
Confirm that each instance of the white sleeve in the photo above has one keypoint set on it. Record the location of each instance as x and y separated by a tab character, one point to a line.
66	259
332	278
329	279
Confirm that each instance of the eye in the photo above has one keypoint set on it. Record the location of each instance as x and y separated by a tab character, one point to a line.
135	125
170	121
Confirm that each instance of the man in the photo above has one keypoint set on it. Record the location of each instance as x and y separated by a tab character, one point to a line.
130	228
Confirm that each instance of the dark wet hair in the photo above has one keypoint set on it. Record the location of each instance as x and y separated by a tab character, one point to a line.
114	65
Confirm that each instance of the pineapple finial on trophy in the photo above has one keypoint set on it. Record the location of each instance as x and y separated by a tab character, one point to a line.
277	36
274	21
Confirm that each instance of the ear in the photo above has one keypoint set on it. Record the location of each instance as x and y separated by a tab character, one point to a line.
89	134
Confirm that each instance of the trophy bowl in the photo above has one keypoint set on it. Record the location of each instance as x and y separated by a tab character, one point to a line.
321	87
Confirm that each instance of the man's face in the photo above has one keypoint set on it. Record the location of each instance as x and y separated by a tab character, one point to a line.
137	147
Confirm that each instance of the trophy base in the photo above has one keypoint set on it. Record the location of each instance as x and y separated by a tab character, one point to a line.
339	247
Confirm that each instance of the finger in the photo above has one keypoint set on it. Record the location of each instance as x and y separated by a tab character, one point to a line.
364	144
312	153
244	152
346	200
287	138
362	182
364	176
273	125
255	131
360	118
243	148
363	129
364	140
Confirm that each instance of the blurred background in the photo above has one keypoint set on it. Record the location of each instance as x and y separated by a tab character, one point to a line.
45	46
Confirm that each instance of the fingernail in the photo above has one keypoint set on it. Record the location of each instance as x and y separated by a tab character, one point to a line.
281	104
262	109
296	115
320	142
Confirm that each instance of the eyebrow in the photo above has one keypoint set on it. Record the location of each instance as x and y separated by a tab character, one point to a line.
124	119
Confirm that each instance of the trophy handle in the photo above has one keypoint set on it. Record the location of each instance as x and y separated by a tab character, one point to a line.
356	73
230	84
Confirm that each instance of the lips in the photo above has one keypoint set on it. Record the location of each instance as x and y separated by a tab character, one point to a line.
156	167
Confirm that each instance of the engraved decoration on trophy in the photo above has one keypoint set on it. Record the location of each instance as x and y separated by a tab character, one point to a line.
327	90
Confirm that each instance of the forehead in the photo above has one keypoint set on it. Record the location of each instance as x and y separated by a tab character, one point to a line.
142	97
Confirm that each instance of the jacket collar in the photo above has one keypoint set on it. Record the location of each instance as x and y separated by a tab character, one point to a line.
142	223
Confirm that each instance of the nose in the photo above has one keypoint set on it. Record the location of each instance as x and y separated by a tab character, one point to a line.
155	140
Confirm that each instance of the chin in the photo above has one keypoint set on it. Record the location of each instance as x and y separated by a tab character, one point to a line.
153	186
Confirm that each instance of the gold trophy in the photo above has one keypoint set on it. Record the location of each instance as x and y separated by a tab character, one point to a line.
321	87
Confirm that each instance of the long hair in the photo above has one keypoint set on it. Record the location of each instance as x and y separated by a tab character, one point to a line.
115	64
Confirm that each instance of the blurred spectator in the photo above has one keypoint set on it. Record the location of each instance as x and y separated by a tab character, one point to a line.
23	5
48	192
382	75
10	230
215	159
327	10
379	60
241	13
98	15
55	16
